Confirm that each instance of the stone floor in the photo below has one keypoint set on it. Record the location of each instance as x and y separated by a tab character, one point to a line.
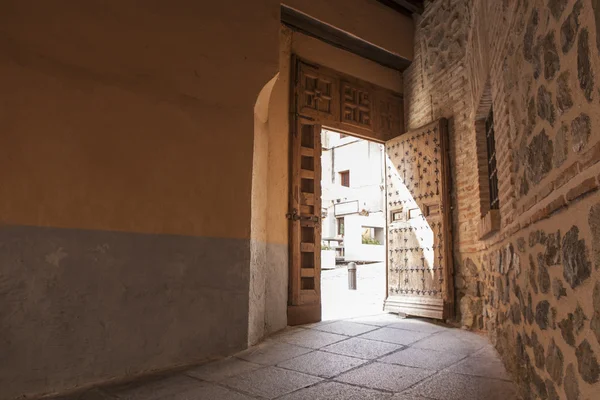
374	357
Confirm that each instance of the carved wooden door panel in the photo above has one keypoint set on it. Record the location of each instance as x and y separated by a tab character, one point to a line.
304	297
419	270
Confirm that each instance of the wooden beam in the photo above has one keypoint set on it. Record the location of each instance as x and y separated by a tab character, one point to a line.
407	7
304	23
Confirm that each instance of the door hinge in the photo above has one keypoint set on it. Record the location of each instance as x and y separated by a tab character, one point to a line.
298	115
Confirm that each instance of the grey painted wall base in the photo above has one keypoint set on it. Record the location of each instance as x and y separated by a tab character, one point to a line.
268	290
79	306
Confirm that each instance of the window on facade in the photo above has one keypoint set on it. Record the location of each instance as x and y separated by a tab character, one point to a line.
345	178
372	235
340	226
491	158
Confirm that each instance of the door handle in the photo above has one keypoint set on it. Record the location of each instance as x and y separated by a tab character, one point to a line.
294	216
312	218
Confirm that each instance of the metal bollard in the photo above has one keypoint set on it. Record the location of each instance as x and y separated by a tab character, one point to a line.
352	276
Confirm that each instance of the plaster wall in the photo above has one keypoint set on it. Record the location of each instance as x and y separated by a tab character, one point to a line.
122	250
354	249
364	161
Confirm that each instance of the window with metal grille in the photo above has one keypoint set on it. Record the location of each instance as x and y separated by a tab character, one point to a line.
345	178
491	158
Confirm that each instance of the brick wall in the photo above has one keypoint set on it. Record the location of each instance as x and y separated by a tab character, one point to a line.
534	285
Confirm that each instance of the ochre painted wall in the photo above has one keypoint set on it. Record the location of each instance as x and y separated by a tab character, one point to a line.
117	117
126	162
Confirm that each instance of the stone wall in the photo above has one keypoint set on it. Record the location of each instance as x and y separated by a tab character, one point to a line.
535	284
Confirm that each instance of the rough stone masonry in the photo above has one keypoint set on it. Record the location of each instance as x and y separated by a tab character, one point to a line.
534	285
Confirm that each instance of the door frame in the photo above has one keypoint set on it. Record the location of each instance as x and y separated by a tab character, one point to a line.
324	97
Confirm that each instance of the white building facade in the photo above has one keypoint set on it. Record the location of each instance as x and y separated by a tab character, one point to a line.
353	197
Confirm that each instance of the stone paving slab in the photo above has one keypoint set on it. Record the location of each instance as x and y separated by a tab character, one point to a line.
321	363
313	339
417	325
449	386
423	358
394	378
346	328
271	382
452	342
336	391
362	348
271	353
397	336
377	320
481	366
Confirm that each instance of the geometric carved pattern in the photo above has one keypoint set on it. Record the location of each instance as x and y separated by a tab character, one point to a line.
418	234
356	105
345	103
316	91
390	115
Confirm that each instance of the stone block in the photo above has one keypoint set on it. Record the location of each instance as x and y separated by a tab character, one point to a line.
587	363
576	265
584	65
566	175
590	157
587	186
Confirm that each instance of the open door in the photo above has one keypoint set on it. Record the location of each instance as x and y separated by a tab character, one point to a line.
304	297
419	261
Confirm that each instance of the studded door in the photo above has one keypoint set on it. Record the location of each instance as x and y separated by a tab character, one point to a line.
419	270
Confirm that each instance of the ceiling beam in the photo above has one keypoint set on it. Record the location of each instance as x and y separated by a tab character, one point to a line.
406	7
307	25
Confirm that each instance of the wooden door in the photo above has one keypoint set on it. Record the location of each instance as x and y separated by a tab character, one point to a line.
304	298
419	269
